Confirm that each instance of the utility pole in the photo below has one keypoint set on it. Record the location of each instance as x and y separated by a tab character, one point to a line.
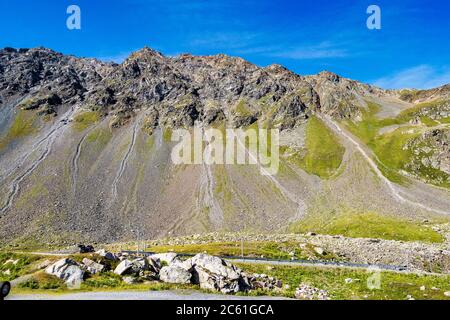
138	239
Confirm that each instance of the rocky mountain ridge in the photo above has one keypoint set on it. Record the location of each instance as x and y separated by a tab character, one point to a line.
85	147
176	91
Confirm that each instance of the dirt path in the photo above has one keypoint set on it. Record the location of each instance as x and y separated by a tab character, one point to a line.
49	139
76	158
15	187
124	161
207	184
56	127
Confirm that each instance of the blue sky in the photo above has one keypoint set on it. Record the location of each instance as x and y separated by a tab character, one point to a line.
412	49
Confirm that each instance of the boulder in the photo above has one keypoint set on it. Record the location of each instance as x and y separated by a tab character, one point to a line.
175	274
92	266
213	273
140	264
67	270
211	281
155	264
136	266
168	257
107	255
261	281
187	264
216	266
319	250
123	267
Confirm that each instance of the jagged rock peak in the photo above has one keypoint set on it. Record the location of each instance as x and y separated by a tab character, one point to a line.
328	75
144	54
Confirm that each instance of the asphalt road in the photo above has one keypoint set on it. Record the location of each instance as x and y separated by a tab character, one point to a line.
137	295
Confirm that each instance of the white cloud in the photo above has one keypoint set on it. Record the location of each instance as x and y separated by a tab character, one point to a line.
418	77
222	40
322	50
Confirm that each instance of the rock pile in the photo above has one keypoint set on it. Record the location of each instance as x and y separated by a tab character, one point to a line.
307	292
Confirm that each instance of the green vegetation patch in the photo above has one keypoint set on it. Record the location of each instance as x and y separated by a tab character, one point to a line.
367	225
367	129
24	124
393	286
271	250
389	148
324	152
242	109
14	265
103	280
100	136
85	119
43	281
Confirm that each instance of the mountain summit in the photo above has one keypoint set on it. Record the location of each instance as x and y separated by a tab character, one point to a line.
85	147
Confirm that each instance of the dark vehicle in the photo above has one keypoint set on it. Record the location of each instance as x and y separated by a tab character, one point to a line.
5	288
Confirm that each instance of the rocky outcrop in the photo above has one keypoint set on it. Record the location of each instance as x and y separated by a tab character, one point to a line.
419	96
430	158
215	274
164	257
307	292
206	271
92	266
67	270
107	255
175	274
123	267
178	91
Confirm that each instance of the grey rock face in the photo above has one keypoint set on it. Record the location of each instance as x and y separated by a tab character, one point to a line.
216	266
123	267
92	266
107	255
138	266
431	150
213	273
178	91
175	274
168	257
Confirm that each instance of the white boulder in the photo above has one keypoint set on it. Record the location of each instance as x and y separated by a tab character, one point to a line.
67	270
168	257
175	274
123	267
92	266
